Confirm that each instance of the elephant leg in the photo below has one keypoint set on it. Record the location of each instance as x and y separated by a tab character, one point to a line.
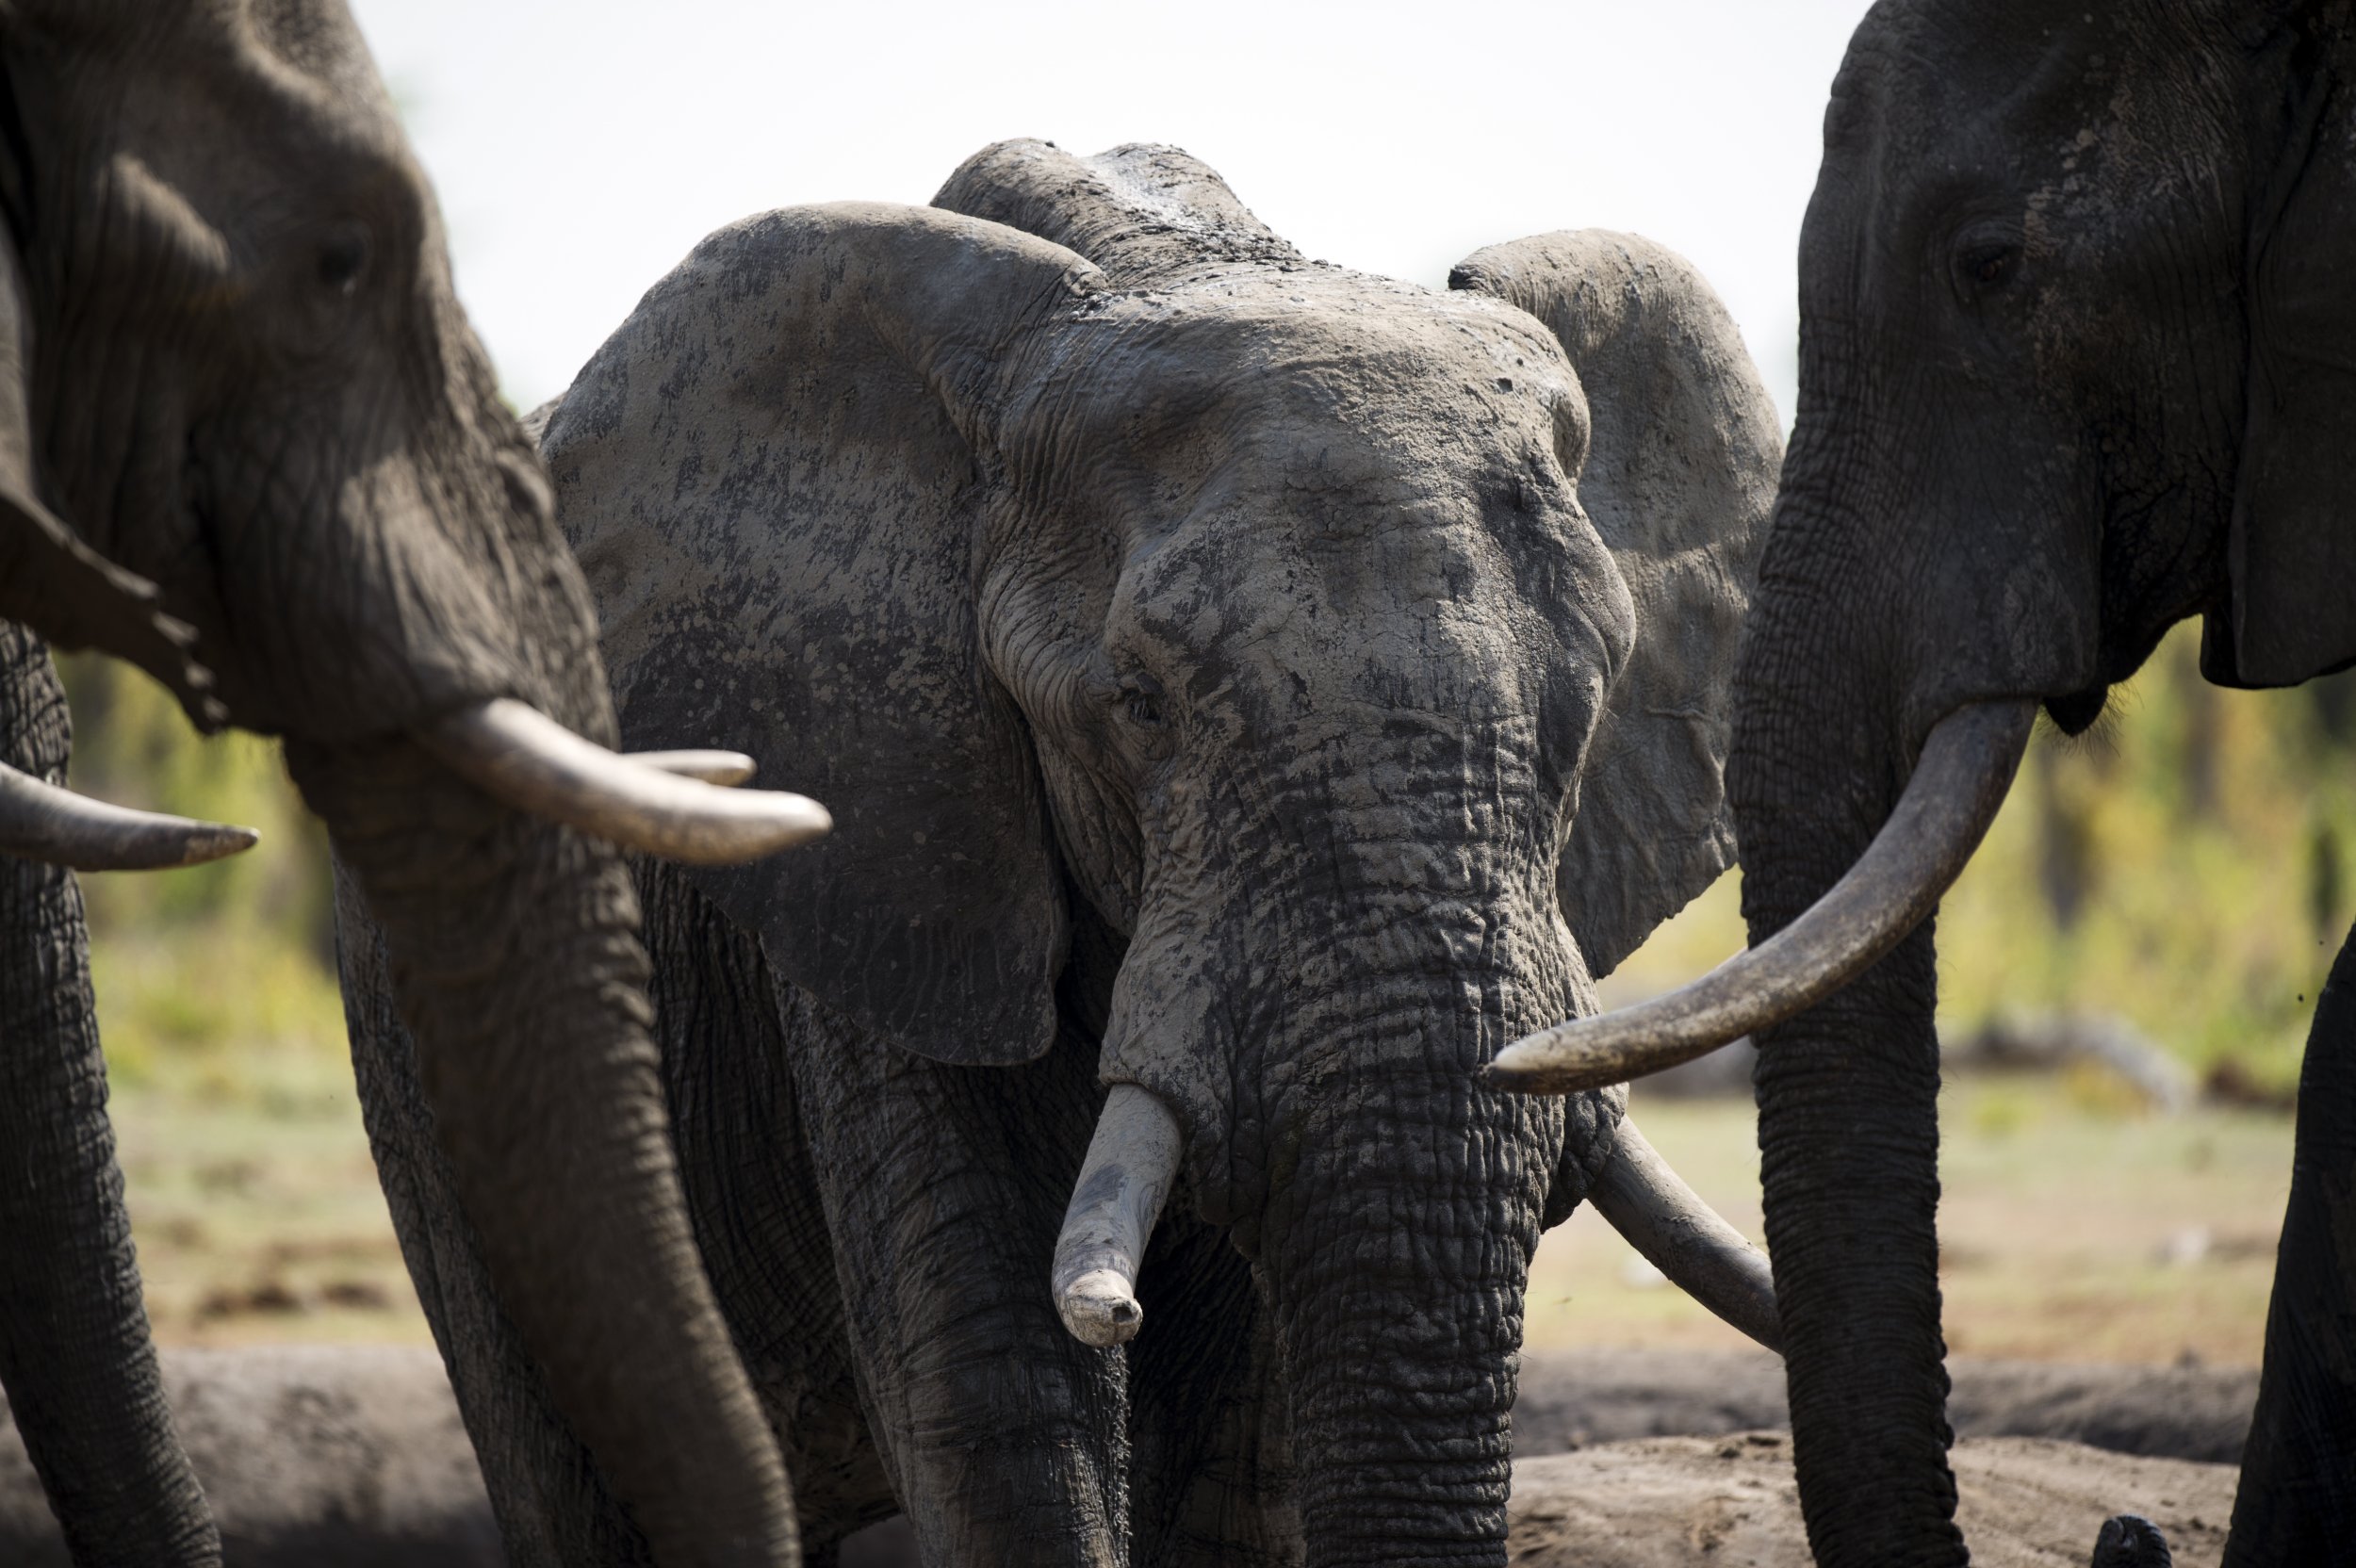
754	1196
1211	1482
76	1354
2298	1496
945	1188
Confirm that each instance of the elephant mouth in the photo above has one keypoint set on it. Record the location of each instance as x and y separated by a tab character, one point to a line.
2075	714
678	804
1964	773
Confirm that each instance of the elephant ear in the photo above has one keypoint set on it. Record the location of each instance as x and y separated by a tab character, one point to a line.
49	579
772	475
1679	479
2291	555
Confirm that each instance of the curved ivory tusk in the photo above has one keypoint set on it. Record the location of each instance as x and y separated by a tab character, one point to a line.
41	822
1965	768
524	759
726	769
1131	1163
1682	1236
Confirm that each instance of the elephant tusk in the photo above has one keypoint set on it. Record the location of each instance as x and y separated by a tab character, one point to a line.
522	758
1967	766
1649	1204
41	821
726	769
1131	1163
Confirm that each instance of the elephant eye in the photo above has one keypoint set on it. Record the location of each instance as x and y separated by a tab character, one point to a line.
1141	699
343	258
1985	268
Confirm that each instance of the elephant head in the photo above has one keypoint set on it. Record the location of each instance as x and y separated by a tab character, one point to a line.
243	421
2078	361
1355	653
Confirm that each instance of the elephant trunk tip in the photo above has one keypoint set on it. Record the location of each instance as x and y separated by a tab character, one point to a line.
1966	769
2130	1541
1116	1200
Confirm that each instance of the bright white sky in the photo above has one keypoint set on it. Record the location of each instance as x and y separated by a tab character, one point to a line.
580	147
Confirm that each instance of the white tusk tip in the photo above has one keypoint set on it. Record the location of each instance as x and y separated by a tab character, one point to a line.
726	769
217	842
1100	1308
1554	1063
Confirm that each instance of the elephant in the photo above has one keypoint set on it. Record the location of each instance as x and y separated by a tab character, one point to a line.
1249	690
2078	361
249	443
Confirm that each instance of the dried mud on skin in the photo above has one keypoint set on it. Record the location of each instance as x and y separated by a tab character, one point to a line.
1730	1500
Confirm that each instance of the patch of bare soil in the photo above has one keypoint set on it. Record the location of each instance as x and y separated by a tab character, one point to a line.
1575	1399
2023	1503
311	1455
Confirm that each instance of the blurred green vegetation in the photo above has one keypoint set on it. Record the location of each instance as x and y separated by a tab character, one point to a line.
206	978
2186	866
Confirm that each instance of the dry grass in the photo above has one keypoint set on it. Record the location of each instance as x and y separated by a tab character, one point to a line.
258	1216
2070	1230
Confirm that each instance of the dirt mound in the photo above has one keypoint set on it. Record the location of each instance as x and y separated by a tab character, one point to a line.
311	1454
1669	1501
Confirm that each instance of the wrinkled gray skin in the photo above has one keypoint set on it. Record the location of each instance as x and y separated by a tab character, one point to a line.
1229	683
74	1354
235	387
2078	360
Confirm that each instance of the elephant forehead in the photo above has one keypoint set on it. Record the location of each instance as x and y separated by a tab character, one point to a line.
1447	605
1317	357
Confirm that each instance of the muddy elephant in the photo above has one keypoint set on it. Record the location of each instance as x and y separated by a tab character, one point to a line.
248	441
2078	361
1249	692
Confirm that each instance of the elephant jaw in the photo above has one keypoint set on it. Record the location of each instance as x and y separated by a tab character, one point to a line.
1966	769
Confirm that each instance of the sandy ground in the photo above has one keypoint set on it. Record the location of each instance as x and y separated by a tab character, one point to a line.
1729	1501
354	1456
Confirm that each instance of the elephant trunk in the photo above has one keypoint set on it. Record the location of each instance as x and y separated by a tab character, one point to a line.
515	964
1848	1107
74	1353
1396	1259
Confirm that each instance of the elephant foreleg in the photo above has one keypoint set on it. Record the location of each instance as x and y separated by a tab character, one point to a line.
2297	1497
1211	1477
945	1188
